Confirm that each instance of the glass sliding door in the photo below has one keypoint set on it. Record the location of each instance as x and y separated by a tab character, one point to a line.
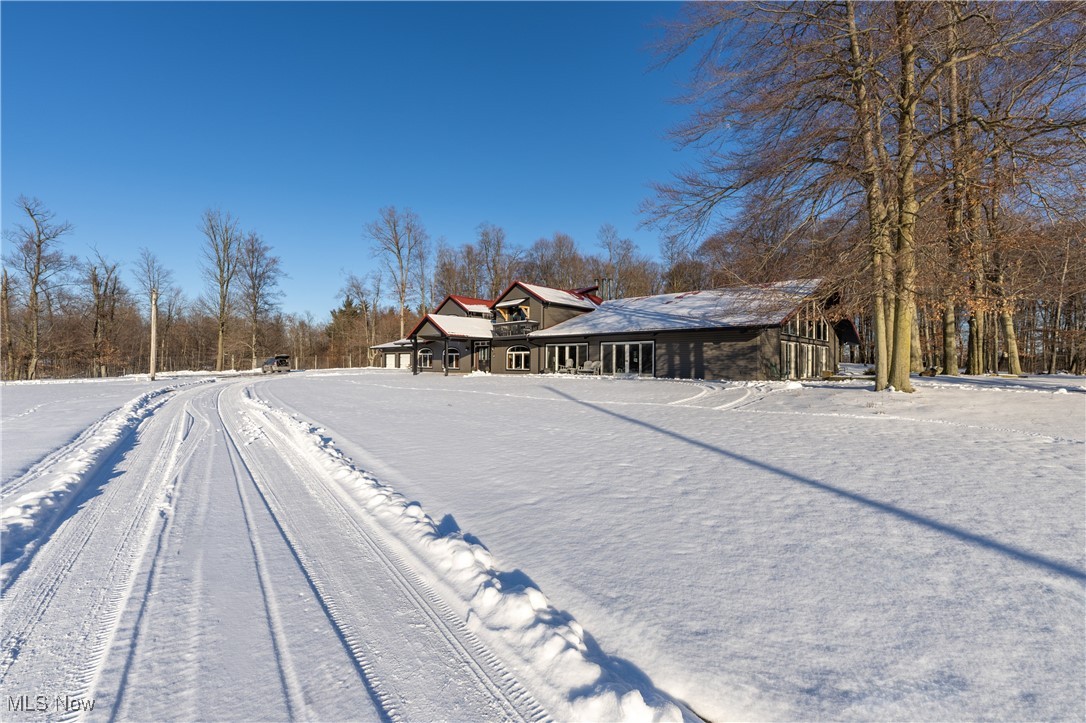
635	357
565	357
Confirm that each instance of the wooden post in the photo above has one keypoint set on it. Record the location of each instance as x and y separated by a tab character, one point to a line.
154	331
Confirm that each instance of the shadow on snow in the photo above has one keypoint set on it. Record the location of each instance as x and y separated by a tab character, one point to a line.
958	533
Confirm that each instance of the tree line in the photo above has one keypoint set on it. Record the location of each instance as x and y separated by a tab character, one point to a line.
68	317
63	316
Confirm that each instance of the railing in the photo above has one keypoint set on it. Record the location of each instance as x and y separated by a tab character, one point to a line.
515	328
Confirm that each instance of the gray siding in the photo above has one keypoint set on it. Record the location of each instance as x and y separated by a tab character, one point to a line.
438	348
721	354
557	314
500	347
450	308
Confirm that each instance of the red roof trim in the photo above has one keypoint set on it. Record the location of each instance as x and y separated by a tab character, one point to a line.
469	300
418	326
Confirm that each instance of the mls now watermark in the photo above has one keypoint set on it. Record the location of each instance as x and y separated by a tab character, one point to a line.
49	703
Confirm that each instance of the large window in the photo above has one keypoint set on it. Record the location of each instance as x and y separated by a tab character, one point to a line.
802	361
808	322
634	357
518	357
426	359
452	359
565	357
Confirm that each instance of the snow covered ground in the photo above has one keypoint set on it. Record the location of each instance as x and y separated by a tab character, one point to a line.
557	546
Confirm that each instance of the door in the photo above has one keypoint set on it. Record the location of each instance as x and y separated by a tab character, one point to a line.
482	356
635	357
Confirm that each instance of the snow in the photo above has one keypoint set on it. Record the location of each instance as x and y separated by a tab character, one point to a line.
39	417
558	296
764	550
592	548
712	309
461	326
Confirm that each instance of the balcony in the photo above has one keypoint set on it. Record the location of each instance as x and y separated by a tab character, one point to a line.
514	328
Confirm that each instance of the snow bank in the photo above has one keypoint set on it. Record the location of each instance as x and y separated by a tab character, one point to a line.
27	519
554	648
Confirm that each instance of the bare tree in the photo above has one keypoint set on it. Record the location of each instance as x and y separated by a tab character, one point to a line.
627	272
366	291
555	262
105	291
813	103
397	240
259	274
35	253
498	258
154	281
220	253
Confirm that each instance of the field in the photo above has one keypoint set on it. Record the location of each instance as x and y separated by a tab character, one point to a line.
547	546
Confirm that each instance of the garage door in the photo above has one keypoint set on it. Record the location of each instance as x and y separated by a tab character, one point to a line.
390	361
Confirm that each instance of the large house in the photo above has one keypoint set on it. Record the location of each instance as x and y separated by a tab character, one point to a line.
766	331
465	334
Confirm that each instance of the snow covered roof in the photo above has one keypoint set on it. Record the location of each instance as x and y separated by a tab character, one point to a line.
761	305
390	345
469	327
562	297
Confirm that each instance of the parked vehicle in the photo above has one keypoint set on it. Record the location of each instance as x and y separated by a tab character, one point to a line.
277	363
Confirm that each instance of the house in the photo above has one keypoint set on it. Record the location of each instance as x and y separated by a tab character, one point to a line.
767	331
764	331
467	334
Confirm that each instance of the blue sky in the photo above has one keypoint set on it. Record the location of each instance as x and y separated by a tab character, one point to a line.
130	119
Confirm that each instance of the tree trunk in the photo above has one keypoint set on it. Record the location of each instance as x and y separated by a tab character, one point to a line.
917	365
1059	307
5	326
907	206
1014	364
950	340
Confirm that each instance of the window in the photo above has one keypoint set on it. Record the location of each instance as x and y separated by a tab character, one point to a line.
565	357
452	359
518	357
802	361
808	322
635	357
426	359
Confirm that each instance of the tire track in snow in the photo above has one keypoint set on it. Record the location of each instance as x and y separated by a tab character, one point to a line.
122	509
503	688
381	698
171	466
293	693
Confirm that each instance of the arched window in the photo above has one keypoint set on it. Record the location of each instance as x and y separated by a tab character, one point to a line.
426	359
518	358
452	359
